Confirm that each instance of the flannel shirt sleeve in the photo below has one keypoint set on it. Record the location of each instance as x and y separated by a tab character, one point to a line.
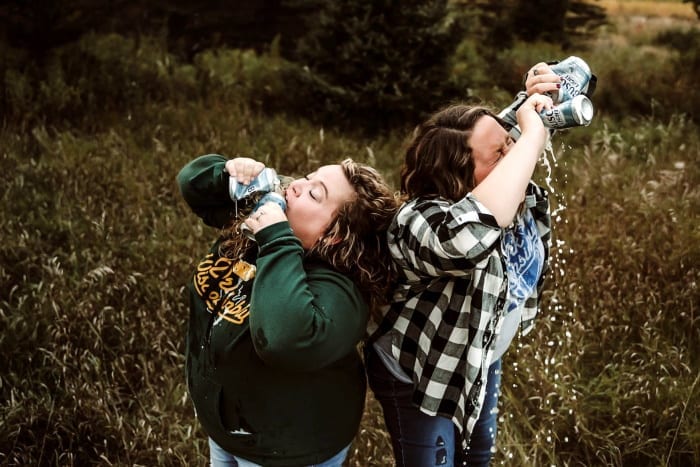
435	237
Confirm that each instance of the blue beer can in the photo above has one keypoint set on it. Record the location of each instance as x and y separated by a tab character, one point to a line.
266	181
577	111
272	196
575	75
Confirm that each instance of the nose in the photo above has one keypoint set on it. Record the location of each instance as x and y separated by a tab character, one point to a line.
294	188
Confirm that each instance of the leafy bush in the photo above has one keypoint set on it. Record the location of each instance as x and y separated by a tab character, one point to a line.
684	95
510	65
97	74
619	91
381	62
501	24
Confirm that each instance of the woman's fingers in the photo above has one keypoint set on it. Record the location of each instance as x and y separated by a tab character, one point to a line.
244	169
267	214
540	79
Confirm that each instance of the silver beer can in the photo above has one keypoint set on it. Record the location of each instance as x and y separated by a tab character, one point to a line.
575	75
577	111
272	196
266	181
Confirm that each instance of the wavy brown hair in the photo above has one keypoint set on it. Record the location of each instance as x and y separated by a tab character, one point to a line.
438	159
355	241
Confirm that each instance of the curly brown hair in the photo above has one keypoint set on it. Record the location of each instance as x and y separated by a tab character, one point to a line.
356	238
438	159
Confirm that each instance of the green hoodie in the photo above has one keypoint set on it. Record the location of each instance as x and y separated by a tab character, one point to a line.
272	364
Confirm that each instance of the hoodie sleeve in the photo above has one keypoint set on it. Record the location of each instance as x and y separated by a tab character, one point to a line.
204	185
302	317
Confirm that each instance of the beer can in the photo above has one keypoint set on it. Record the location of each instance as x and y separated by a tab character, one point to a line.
577	111
575	75
266	181
272	196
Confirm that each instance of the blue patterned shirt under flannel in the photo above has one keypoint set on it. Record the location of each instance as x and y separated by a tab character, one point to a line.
448	307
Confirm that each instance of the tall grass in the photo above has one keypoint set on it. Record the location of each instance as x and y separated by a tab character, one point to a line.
97	246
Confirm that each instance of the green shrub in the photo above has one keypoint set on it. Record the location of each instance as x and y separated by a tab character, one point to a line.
89	78
684	94
620	92
510	65
379	63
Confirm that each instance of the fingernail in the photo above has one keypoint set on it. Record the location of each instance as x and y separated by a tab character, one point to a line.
558	85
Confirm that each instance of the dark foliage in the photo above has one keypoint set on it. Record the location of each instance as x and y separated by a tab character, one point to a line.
390	59
540	20
567	24
245	24
367	64
38	26
687	68
42	25
562	22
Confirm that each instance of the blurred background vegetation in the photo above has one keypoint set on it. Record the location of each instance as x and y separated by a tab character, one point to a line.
102	104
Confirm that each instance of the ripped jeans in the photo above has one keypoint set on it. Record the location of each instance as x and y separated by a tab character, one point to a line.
421	440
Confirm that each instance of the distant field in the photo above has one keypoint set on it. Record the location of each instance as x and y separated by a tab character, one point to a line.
673	8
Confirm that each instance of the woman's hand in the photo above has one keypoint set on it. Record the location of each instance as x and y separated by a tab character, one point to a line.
244	169
267	214
540	79
528	113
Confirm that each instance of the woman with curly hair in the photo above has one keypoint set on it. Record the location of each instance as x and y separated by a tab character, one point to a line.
272	362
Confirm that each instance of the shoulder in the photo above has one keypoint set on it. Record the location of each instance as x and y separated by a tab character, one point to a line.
327	280
421	210
322	270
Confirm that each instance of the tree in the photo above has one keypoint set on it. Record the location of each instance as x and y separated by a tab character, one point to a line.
37	26
535	20
389	57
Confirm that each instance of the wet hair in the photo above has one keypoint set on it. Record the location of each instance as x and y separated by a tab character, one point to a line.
438	160
355	241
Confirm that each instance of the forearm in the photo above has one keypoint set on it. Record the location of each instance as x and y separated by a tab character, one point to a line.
203	184
503	189
300	320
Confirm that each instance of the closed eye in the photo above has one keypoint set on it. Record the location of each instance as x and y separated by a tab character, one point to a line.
311	193
505	148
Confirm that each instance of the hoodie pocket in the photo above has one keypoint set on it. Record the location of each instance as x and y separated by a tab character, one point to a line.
231	424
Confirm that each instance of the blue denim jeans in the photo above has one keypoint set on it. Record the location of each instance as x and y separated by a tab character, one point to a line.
222	458
421	440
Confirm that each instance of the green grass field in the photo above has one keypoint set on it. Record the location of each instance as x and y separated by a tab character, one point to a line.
97	247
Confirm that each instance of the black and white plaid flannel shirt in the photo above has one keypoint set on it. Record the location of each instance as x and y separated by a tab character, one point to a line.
448	307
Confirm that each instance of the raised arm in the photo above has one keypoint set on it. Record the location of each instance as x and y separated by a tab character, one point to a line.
503	189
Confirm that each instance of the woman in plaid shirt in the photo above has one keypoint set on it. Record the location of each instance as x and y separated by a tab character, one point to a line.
471	247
